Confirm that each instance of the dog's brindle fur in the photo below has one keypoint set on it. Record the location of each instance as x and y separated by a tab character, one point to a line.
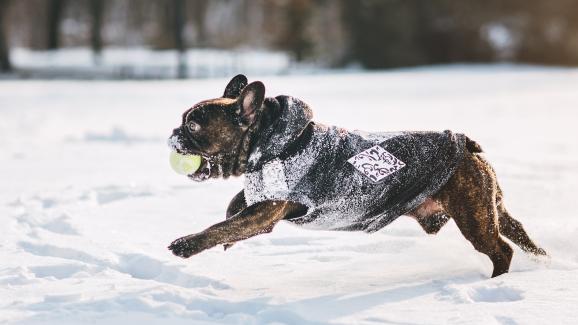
228	126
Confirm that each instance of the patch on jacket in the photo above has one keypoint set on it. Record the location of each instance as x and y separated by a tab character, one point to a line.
376	163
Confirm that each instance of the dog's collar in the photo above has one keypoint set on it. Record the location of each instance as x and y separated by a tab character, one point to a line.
279	136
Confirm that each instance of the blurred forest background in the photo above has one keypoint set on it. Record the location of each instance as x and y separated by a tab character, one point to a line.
62	36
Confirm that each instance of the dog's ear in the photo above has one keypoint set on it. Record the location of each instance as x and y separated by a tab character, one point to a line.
251	100
234	87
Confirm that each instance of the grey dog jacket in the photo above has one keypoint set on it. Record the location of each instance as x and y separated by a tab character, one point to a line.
296	159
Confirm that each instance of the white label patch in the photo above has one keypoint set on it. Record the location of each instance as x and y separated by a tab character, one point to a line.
376	163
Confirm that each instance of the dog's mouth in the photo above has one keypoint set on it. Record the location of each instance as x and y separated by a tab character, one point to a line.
204	171
219	165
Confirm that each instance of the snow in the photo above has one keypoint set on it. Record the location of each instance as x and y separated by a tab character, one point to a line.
126	63
88	205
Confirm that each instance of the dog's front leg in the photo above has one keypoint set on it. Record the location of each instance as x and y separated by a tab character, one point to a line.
251	221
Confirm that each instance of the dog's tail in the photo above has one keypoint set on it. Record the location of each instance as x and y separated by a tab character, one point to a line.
473	146
514	231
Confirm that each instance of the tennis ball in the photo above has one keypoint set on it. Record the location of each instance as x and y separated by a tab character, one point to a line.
184	164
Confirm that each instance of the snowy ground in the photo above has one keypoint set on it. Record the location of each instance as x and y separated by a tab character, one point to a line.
142	63
88	204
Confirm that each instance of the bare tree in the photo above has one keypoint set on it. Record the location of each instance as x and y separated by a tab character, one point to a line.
54	18
198	12
295	38
96	14
179	25
5	65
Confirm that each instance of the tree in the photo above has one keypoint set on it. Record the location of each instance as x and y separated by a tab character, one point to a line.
179	21
198	12
55	8
296	38
5	65
96	14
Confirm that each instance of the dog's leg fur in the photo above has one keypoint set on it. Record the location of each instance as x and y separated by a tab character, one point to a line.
254	220
473	199
237	204
469	198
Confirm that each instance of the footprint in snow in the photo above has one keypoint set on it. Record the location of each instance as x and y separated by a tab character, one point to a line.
486	293
59	225
147	268
495	294
61	252
59	271
137	266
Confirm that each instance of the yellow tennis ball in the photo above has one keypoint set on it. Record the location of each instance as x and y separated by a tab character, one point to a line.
184	164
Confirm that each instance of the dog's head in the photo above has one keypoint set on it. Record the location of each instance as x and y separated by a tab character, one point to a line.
217	129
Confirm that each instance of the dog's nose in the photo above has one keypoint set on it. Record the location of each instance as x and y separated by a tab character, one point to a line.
174	141
176	132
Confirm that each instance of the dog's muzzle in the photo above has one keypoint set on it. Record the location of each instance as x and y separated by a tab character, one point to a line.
177	143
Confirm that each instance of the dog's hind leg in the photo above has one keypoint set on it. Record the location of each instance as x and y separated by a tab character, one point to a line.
485	237
469	198
514	231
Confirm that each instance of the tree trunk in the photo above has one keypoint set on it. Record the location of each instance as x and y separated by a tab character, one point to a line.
54	18
298	17
179	20
5	65
199	12
96	13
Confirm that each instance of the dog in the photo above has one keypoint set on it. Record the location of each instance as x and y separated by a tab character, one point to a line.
330	178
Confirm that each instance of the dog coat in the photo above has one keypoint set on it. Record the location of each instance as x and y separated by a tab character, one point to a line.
348	180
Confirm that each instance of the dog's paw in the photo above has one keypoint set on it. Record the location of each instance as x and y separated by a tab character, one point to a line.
540	251
188	246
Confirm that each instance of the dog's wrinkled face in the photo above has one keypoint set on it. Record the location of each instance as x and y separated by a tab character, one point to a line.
215	128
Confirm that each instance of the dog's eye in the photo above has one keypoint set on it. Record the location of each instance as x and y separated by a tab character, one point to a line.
193	127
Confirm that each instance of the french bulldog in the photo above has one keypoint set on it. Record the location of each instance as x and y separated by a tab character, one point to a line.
330	178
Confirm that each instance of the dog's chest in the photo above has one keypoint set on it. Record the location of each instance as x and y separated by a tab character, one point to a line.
268	183
279	180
